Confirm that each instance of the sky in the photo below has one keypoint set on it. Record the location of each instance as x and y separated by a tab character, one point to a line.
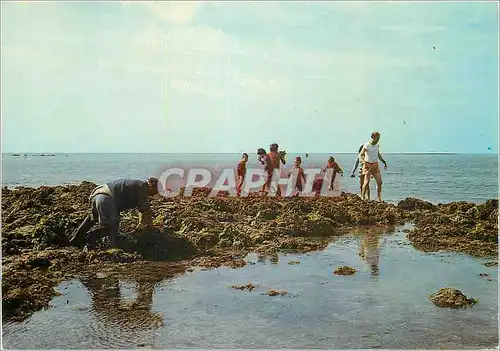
236	76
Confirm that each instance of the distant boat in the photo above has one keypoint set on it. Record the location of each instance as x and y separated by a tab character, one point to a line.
15	155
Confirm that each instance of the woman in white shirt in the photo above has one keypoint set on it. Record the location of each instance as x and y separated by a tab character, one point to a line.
369	156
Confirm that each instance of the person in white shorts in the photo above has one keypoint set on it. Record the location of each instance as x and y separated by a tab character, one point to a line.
369	156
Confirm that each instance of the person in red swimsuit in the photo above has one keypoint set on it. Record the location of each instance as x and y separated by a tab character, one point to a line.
336	169
300	174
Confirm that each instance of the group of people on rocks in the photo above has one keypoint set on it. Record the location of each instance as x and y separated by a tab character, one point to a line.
108	200
367	161
273	160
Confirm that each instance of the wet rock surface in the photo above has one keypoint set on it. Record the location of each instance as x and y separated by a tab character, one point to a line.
248	287
452	298
491	264
458	226
274	292
28	280
344	270
412	204
208	232
487	276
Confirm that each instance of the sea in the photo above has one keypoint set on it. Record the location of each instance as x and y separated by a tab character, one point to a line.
385	305
438	178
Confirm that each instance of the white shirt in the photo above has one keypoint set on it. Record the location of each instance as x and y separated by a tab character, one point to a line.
371	153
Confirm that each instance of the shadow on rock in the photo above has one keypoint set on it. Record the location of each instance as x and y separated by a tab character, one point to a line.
156	245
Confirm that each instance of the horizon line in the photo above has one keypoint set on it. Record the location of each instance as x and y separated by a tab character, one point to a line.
239	152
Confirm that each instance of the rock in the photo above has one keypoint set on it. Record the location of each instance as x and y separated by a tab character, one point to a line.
458	226
294	262
235	237
273	292
264	215
344	270
24	292
248	287
40	262
452	298
412	204
211	231
486	275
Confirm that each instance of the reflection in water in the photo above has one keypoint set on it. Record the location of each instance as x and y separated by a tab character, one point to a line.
111	307
200	311
369	250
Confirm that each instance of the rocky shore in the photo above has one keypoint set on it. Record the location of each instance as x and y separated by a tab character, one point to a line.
209	232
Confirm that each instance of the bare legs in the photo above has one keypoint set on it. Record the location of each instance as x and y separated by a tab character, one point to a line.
378	179
365	195
365	190
361	182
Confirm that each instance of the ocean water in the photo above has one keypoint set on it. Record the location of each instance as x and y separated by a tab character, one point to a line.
433	177
384	305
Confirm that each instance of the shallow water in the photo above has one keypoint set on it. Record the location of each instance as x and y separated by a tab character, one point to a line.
384	305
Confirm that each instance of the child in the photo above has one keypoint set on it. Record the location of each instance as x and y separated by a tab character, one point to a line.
268	164
300	174
241	171
277	157
336	169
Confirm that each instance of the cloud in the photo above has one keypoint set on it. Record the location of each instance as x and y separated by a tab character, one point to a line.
266	13
194	39
185	40
177	12
350	5
228	68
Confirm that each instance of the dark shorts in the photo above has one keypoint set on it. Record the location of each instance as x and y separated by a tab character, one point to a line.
104	211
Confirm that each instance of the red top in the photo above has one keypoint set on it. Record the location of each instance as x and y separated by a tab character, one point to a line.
241	169
335	166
